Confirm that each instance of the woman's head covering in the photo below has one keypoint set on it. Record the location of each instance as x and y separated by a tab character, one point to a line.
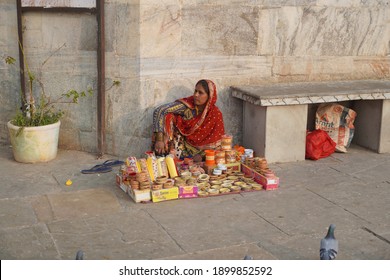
205	129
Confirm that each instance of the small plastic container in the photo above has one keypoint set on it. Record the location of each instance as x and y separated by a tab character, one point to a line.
220	156
221	166
230	156
226	142
210	157
217	171
249	153
227	139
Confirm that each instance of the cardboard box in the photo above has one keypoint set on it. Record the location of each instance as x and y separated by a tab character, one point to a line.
165	194
236	166
118	180
139	195
188	191
267	183
123	187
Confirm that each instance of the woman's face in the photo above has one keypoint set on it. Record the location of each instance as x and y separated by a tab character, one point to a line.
200	95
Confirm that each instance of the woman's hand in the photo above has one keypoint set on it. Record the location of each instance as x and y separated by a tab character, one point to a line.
197	158
159	147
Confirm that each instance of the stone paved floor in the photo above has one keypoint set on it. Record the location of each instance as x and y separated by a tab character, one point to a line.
42	218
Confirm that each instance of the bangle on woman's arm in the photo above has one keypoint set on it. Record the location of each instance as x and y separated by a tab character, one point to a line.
159	136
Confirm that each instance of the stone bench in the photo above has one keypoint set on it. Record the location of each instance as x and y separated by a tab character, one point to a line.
276	116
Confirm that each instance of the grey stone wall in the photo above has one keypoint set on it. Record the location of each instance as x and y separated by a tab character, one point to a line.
159	49
73	66
9	80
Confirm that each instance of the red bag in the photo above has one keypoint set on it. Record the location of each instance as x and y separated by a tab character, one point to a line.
319	145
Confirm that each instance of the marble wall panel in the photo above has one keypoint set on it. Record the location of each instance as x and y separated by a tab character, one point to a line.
260	3
326	31
161	91
205	67
160	30
267	41
219	30
160	3
122	26
377	37
330	68
371	67
119	2
352	3
206	2
311	67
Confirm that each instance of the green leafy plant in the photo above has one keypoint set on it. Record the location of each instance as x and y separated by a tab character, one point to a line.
42	112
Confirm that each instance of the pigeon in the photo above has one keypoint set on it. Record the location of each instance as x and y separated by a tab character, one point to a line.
329	245
79	255
248	257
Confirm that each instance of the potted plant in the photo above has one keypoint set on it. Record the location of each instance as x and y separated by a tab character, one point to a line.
34	130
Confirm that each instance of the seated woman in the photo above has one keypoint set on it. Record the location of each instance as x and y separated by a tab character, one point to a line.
189	125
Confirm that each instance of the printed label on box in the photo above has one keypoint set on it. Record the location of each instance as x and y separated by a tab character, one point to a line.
188	191
271	181
165	194
236	166
267	183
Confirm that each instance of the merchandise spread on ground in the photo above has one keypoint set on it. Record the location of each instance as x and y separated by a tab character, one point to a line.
155	179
